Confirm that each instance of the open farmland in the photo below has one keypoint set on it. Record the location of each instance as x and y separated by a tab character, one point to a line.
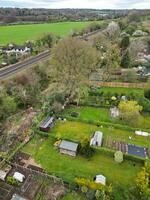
20	33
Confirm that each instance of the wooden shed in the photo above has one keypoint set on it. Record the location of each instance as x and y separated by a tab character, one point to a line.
47	124
69	148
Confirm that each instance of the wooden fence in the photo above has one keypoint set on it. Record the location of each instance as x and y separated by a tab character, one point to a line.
120	84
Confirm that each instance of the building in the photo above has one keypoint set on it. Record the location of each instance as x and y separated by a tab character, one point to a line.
18	50
97	139
17	197
69	148
114	112
19	177
4	172
47	124
100	179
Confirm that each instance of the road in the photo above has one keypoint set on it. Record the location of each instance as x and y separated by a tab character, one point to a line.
7	71
20	66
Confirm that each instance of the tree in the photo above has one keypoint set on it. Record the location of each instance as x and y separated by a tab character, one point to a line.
126	60
130	111
125	42
143	182
85	148
113	30
101	42
72	61
111	62
118	157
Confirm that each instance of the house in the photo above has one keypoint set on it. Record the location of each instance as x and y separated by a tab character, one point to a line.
17	197
100	179
114	112
19	177
4	172
97	139
69	148
18	50
47	124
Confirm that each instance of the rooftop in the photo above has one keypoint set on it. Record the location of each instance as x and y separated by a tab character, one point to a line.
71	146
47	122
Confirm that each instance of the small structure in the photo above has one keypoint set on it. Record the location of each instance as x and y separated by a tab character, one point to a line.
69	148
4	172
97	139
17	197
47	124
137	151
19	177
141	133
100	179
114	112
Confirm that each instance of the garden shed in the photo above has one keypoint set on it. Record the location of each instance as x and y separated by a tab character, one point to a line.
100	179
47	124
19	177
17	197
97	139
69	148
114	112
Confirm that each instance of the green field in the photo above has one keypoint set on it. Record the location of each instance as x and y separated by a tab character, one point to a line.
20	33
98	115
69	168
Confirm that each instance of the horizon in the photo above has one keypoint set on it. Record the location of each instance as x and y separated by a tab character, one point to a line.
77	4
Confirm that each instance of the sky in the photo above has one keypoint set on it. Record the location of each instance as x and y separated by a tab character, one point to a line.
95	4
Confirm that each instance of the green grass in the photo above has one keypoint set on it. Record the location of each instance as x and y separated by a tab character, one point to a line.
73	196
102	115
20	33
75	131
120	90
68	168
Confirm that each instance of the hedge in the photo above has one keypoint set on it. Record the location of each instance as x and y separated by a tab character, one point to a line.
110	153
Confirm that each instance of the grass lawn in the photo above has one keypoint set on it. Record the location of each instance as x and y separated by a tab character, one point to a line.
73	196
102	115
120	90
68	167
75	131
20	33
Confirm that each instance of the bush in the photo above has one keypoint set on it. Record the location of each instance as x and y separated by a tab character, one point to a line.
12	181
43	134
147	94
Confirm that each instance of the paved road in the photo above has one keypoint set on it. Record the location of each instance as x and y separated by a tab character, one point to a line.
19	66
30	61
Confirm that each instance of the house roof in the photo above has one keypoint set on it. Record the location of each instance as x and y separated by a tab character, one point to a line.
17	197
47	122
71	146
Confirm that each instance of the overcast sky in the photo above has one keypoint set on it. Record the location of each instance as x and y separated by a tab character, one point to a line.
98	4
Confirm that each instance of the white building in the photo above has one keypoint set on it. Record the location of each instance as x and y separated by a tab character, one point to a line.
100	179
97	138
114	112
19	177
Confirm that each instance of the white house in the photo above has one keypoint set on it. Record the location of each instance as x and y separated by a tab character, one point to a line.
19	177
100	179
97	138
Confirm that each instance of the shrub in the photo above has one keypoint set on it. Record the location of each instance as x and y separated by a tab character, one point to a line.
12	181
118	157
147	94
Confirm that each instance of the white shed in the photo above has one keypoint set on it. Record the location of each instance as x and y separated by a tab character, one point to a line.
114	112
19	177
97	138
100	179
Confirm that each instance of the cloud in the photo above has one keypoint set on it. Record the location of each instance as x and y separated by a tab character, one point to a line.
98	4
